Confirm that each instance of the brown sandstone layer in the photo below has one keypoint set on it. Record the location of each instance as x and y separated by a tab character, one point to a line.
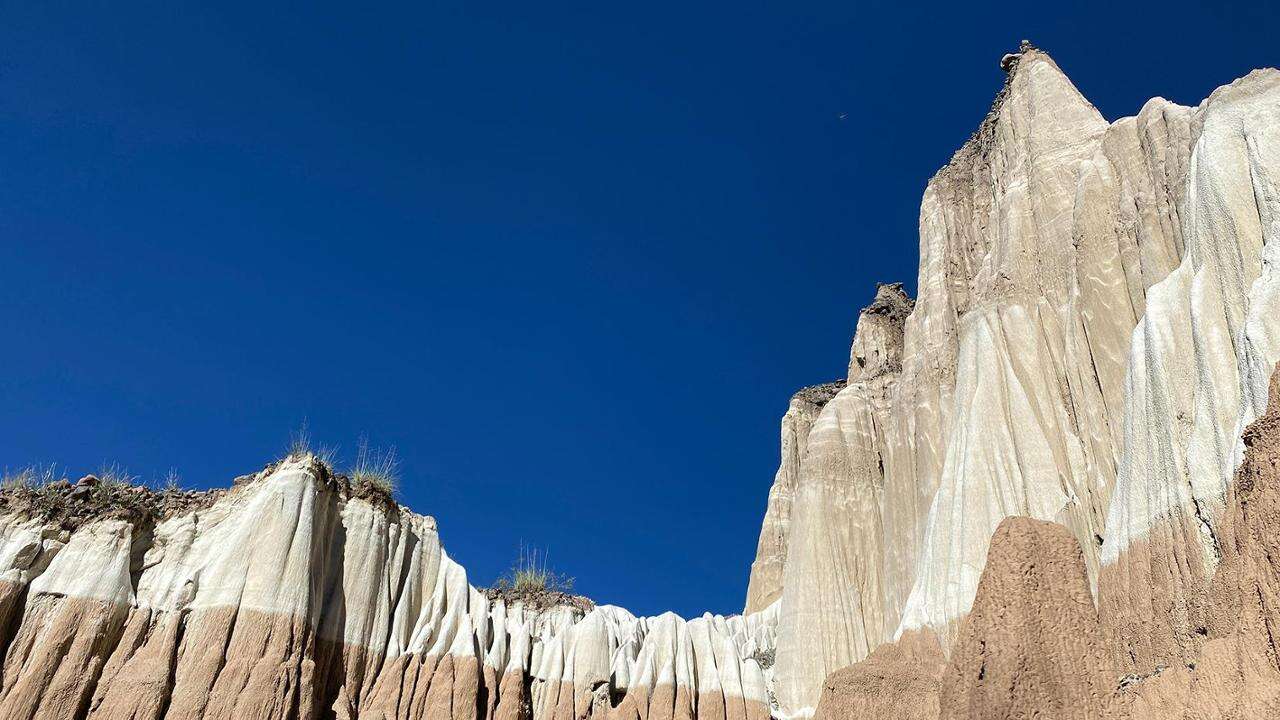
898	681
1034	645
291	597
1237	672
1153	601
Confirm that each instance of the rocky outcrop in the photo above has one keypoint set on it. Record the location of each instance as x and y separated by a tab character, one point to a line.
1095	320
1035	646
1235	673
1198	371
877	343
765	583
290	596
1032	645
876	352
897	681
1098	314
831	604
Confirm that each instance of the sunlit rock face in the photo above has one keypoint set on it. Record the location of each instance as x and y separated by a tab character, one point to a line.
288	597
1035	646
1199	366
1098	314
831	604
1096	320
1031	646
765	583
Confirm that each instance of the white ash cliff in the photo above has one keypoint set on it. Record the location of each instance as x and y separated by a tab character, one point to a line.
1097	319
289	596
765	583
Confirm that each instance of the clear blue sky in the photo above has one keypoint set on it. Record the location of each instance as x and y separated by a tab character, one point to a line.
570	260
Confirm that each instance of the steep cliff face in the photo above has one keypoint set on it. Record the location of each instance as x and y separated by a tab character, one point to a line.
1035	646
290	597
1198	371
765	583
1096	320
830	606
875	360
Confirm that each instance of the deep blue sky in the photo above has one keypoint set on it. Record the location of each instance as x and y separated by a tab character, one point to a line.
570	260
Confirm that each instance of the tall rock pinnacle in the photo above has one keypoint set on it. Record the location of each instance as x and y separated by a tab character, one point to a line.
1067	266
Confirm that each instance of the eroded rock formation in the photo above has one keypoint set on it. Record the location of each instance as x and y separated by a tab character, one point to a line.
765	582
897	681
1032	645
1236	672
1035	646
290	596
1097	315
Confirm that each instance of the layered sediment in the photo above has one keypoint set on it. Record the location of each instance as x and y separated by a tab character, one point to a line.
1096	320
1035	645
1048	486
291	597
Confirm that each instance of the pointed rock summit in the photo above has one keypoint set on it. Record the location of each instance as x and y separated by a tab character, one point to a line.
1095	310
877	342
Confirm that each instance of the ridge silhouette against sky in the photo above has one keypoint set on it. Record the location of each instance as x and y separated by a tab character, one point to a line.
570	261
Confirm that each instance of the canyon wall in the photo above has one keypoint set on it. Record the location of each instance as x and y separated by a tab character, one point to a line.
1034	644
1089	354
291	597
1096	320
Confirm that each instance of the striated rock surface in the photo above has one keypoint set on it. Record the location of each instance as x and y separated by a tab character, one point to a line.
877	343
1236	674
830	607
289	596
897	681
1089	354
765	583
876	352
1032	645
1097	315
1035	646
1198	371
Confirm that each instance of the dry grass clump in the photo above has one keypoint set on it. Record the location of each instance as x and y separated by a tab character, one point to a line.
531	582
300	447
37	490
172	482
32	477
376	474
532	572
113	482
44	493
